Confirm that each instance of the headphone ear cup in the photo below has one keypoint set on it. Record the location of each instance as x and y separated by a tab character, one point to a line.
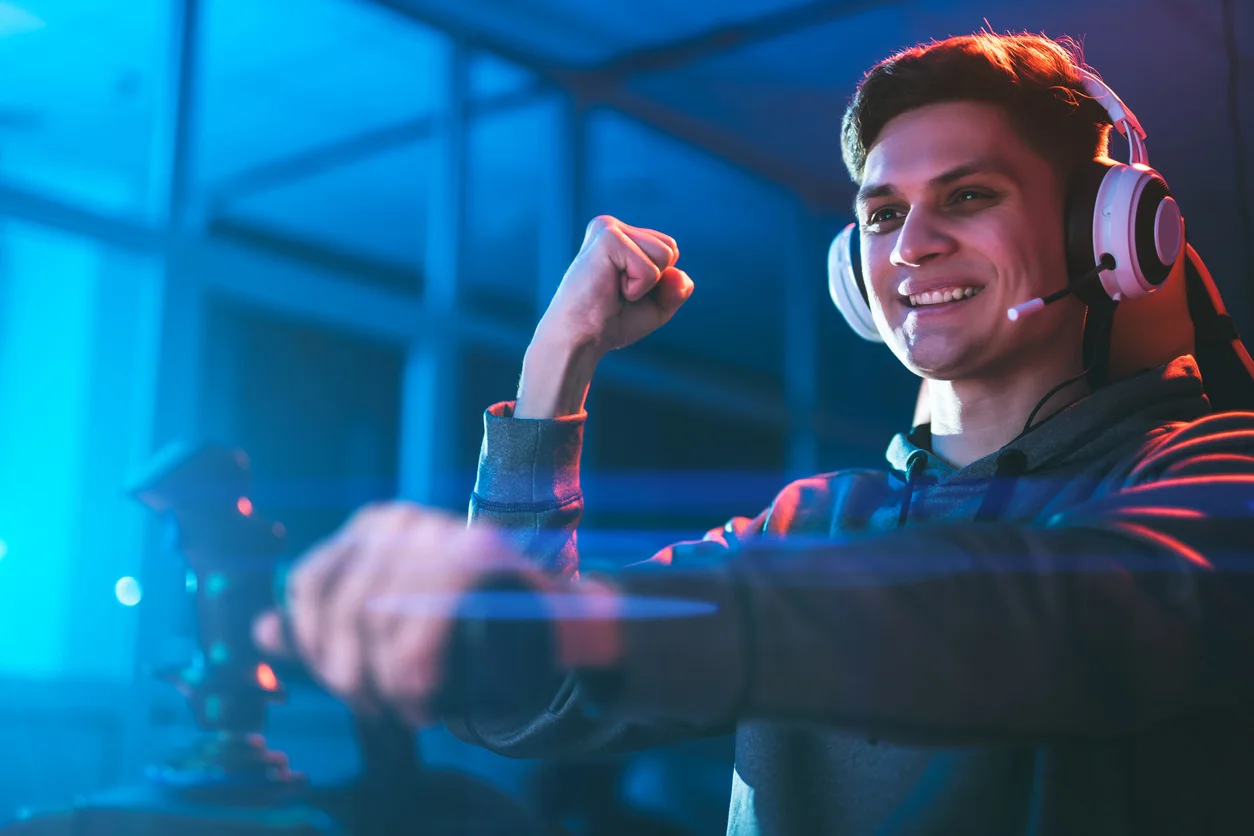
845	284
1127	212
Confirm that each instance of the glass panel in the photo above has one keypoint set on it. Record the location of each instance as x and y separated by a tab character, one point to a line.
287	76
373	211
487	377
508	179
83	85
317	412
728	226
78	354
672	468
317	142
491	76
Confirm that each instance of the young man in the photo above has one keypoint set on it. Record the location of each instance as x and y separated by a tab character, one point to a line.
1038	629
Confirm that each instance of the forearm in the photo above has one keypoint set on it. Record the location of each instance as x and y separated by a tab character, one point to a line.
952	634
555	378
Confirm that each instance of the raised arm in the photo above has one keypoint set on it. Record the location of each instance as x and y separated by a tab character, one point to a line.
622	286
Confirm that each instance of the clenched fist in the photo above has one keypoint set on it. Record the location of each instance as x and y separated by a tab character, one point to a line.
622	286
371	611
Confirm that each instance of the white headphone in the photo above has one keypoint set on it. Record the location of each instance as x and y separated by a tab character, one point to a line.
1118	212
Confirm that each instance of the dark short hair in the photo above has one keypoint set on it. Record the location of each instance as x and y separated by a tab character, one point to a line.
1035	79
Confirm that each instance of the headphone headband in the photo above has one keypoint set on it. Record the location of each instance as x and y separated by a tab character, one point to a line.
1120	114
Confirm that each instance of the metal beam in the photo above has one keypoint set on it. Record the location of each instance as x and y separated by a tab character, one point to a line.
33	207
323	293
305	279
564	160
813	187
597	85
172	159
693	48
801	343
430	382
456	28
592	90
345	151
173	363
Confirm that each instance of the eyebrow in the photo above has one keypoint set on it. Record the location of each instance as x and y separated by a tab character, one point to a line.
981	166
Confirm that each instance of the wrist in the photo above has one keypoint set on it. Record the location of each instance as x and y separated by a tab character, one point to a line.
556	375
593	640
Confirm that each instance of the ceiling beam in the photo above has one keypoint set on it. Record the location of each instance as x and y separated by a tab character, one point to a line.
691	49
33	207
600	84
813	187
456	27
340	152
592	89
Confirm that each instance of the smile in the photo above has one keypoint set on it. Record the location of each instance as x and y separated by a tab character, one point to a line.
941	297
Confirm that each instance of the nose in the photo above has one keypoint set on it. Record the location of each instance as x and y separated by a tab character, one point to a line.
920	239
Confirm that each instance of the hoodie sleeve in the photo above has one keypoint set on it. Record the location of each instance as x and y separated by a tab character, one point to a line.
528	488
1123	613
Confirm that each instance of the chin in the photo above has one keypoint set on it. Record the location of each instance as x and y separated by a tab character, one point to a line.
936	359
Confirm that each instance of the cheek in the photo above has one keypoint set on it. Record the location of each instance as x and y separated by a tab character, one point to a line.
1023	252
878	272
1043	242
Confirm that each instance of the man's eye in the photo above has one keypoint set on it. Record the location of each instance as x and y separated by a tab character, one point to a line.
969	195
884	215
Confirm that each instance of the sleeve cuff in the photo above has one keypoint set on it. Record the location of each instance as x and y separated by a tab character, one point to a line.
529	462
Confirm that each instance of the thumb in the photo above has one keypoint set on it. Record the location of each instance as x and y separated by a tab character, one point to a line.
271	636
671	291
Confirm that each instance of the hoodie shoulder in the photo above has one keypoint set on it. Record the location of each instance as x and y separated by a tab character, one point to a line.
1214	445
818	504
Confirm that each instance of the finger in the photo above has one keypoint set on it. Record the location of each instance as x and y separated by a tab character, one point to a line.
665	239
268	635
639	272
393	551
313	582
341	664
405	663
405	643
308	586
671	291
658	251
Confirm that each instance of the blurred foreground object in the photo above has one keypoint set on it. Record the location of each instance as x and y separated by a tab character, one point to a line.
227	781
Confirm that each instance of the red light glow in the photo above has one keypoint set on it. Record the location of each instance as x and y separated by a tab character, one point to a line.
245	506
266	678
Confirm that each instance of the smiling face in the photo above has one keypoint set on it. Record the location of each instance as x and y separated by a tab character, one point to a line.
961	219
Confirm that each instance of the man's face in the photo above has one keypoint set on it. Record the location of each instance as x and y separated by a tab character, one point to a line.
954	201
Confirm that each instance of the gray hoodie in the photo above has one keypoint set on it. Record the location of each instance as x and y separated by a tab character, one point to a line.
1055	639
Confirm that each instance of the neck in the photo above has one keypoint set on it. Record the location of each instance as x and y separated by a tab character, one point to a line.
974	417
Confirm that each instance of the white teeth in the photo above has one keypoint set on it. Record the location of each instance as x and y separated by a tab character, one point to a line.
936	297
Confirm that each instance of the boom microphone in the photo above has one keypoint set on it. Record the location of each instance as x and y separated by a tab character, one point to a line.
1039	303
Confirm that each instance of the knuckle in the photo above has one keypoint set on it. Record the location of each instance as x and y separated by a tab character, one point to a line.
300	580
368	513
601	222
